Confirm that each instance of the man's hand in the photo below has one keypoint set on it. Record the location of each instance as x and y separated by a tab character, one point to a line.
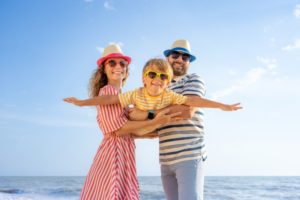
163	117
232	107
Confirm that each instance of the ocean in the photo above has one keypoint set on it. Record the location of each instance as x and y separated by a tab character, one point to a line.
216	188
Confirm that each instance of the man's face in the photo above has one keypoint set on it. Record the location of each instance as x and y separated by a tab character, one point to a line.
179	62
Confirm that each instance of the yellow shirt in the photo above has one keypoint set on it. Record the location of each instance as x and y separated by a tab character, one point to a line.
143	101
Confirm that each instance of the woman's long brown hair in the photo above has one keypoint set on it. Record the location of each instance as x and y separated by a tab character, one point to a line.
99	79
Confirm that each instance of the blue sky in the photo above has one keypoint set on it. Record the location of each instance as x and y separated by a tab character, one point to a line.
247	51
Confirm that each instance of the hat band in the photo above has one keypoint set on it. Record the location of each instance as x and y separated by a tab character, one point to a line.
180	49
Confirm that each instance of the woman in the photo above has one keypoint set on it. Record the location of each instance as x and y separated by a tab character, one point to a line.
113	172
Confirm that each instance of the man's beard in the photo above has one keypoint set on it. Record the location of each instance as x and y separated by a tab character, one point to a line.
179	72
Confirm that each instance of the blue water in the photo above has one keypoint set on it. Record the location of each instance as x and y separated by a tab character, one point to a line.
216	188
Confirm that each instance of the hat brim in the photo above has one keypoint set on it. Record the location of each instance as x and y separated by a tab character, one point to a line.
113	55
181	50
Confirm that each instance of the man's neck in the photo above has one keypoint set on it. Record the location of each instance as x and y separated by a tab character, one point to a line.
177	78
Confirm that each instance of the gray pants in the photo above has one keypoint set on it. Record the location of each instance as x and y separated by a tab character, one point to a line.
183	180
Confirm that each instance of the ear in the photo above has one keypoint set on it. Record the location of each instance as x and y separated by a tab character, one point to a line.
144	80
168	58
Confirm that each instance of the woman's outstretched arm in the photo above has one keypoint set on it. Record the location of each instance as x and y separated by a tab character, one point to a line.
99	100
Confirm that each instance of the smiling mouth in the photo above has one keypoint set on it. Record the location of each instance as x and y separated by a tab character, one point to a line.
156	85
117	72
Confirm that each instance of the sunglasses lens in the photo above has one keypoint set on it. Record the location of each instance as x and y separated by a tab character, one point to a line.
112	63
175	55
123	64
164	77
185	57
152	75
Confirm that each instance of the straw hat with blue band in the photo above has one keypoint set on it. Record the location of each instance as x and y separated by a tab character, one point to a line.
182	46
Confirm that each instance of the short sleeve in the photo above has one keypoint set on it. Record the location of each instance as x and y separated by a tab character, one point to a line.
127	98
177	98
110	117
194	86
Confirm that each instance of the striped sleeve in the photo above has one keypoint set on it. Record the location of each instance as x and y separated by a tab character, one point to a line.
127	98
111	117
194	86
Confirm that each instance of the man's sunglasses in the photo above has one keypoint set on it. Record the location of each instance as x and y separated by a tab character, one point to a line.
153	75
185	57
113	63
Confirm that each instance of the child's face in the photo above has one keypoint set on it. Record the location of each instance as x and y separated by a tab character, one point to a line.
155	81
116	69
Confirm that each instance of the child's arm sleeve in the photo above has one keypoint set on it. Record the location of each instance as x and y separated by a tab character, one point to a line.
126	98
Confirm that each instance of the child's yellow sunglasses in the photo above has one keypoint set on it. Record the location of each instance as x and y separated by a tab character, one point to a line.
154	74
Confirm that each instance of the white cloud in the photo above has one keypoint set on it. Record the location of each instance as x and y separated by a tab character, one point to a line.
270	63
295	45
297	11
108	5
250	78
100	49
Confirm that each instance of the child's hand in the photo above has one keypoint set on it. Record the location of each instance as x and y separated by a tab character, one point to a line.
73	100
232	107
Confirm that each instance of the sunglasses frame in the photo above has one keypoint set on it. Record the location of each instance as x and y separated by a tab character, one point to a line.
122	63
157	74
184	56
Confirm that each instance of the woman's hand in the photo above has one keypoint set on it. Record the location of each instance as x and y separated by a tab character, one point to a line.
74	101
232	107
136	114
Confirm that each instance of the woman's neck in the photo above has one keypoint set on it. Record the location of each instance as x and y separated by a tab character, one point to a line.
116	84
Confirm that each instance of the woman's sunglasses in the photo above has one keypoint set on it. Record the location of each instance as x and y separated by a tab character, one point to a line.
113	63
185	57
153	75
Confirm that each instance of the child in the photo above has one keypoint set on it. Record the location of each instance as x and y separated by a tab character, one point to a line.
157	74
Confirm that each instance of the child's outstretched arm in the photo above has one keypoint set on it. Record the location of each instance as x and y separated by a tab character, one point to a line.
196	101
99	100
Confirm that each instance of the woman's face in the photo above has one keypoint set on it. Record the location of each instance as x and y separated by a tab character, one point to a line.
116	69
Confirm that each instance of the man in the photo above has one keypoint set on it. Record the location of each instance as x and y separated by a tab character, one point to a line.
181	143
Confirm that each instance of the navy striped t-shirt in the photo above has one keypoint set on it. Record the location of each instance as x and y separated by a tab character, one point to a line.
184	140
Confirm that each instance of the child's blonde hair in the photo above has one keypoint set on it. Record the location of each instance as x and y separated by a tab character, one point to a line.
161	64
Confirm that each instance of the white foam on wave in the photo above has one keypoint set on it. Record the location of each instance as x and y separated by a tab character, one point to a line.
33	197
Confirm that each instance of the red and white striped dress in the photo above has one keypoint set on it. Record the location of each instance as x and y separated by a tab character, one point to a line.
112	175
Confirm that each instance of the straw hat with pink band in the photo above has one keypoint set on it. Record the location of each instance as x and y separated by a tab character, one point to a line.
112	51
